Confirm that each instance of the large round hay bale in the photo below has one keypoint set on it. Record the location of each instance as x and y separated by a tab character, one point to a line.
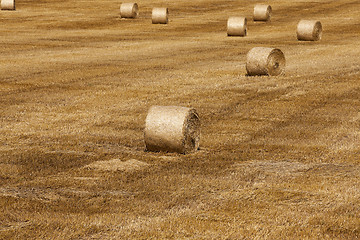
237	26
309	30
262	12
160	15
172	129
129	10
7	4
265	61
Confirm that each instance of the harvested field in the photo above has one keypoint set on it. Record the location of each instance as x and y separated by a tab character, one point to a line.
279	156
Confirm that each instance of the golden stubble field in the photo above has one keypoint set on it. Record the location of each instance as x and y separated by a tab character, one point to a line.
279	156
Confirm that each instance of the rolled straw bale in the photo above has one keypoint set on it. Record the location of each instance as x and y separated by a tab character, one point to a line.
309	30
172	129
160	15
237	26
7	4
265	61
262	12
129	10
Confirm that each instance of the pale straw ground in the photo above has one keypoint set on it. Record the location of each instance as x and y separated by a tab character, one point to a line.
279	156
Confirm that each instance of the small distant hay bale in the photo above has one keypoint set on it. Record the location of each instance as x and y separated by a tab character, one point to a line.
160	15
309	30
265	61
115	165
172	129
7	4
237	26
262	12
129	10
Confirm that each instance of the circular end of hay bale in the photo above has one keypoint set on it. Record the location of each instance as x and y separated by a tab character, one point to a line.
129	10
160	15
237	26
172	129
309	30
7	4
265	61
262	12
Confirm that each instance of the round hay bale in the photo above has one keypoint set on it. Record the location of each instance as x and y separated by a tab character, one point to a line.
262	12
129	10
237	26
309	30
265	61
172	129
160	15
7	4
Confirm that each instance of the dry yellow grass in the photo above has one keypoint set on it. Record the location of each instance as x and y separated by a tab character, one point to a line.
279	156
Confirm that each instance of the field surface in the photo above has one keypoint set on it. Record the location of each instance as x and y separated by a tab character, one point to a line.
279	156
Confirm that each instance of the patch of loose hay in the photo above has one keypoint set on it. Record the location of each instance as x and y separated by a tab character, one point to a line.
33	193
115	165
9	170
